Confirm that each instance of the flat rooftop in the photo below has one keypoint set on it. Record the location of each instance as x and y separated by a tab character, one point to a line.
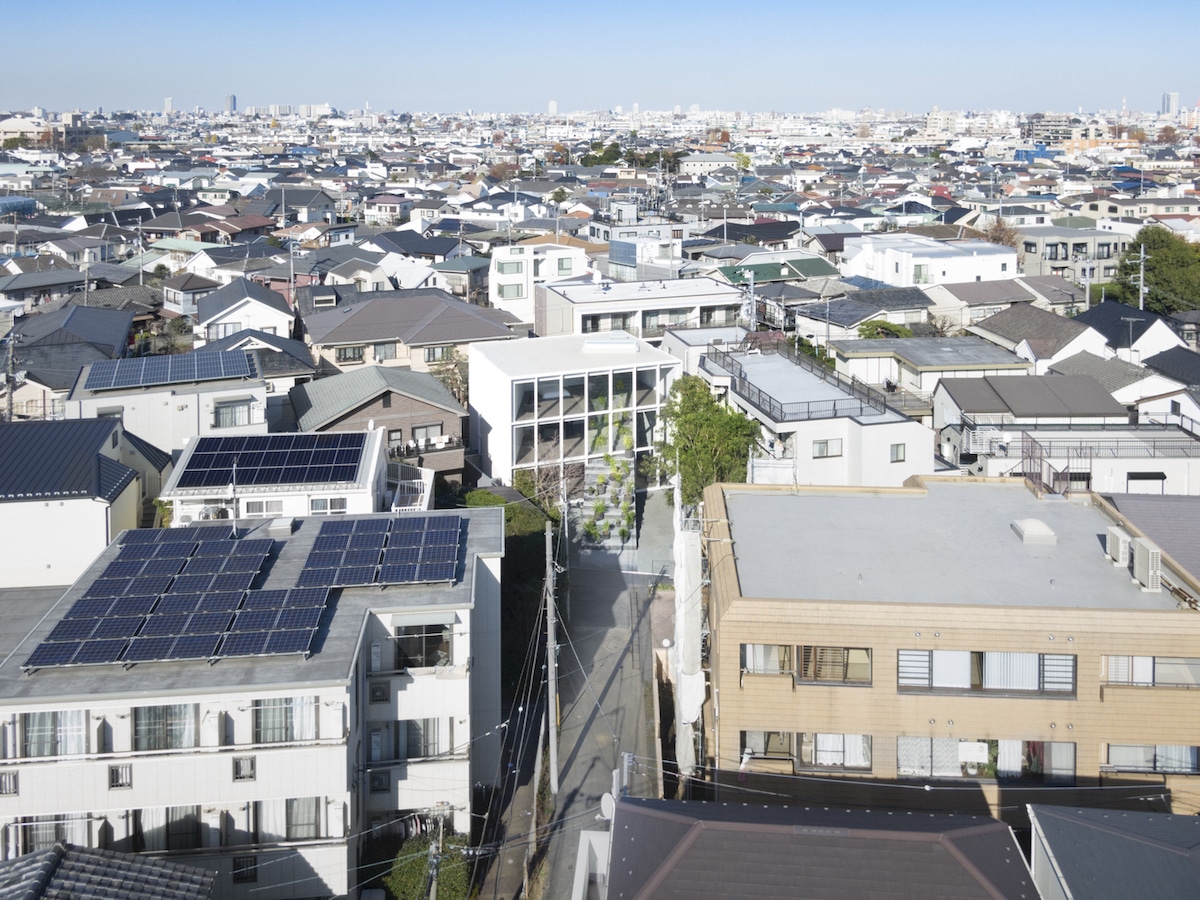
530	357
30	614
935	352
652	293
952	545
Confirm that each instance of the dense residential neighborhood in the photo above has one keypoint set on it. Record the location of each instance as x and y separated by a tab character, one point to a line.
856	454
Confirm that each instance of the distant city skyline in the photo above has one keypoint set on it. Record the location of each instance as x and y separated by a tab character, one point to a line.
772	56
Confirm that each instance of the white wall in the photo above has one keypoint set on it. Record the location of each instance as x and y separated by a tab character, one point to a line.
51	542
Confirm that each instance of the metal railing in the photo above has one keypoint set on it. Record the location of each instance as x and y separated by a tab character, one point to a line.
862	400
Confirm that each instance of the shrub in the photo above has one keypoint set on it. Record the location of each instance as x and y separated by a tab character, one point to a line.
408	878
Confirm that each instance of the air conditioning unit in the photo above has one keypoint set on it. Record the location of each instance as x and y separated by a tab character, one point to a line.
1147	564
1116	545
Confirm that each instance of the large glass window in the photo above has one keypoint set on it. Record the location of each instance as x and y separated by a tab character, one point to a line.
766	659
419	738
510	291
1154	757
348	354
1154	670
422	646
302	821
231	415
165	727
58	733
844	665
1042	761
1001	672
509	268
285	719
838	751
43	832
827	448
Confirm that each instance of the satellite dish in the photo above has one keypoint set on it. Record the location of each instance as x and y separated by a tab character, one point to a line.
608	806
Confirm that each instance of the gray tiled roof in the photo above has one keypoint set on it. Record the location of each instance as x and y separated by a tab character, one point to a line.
320	402
236	291
1112	373
1046	332
59	459
672	849
416	318
67	872
984	293
1178	363
1034	396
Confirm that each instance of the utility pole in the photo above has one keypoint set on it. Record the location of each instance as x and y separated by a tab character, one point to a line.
551	660
12	379
1142	279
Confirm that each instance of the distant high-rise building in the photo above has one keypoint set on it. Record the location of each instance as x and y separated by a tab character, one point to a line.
231	103
168	107
1170	103
637	108
552	108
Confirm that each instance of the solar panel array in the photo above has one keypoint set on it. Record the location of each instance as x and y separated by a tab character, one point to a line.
146	371
182	593
273	459
409	550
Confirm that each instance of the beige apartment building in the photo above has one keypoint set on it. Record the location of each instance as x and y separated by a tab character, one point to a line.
962	637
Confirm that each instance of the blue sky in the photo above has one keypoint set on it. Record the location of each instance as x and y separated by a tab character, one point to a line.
799	56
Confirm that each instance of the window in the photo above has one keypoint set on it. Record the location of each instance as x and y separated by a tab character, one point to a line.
1154	757
419	738
766	659
285	719
381	782
120	776
244	768
435	354
827	448
165	727
379	692
1154	670
9	783
1003	267
245	869
259	508
302	819
327	506
1030	247
43	832
385	351
510	291
422	433
838	751
1045	761
510	268
965	670
220	330
837	665
348	354
898	453
231	415
564	266
183	828
62	733
422	646
767	744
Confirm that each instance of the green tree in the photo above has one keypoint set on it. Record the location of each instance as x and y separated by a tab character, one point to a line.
452	372
559	195
1172	272
410	875
880	328
743	161
705	442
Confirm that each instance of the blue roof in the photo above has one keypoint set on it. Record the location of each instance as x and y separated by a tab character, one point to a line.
59	459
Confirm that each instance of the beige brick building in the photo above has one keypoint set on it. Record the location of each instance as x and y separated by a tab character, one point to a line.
951	636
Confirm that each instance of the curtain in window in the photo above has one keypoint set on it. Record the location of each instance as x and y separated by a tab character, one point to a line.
1010	671
952	669
830	749
272	721
183	725
1131	756
183	827
304	718
302	818
12	842
754	741
272	820
151	825
72	732
1175	758
41	833
858	751
1010	760
913	756
1059	763
39	734
8	738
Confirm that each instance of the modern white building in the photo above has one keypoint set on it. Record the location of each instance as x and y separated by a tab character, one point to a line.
333	473
818	427
556	401
170	399
517	268
645	309
266	752
903	260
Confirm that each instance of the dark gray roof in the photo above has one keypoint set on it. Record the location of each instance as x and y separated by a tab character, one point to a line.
986	293
1172	522
1046	332
235	292
318	403
416	318
843	313
141	300
67	872
894	298
105	329
1112	320
26	281
159	459
286	356
1107	853
1179	363
1113	373
1034	396
673	849
1053	288
59	459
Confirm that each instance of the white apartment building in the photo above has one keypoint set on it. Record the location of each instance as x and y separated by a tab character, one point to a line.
568	399
903	260
270	769
518	268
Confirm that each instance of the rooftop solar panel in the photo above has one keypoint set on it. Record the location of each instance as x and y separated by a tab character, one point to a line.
90	607
436	571
361	558
221	601
139	536
298	597
194	646
188	583
233	581
398	574
99	651
209	623
243	563
160	625
336	526
133	606
372	526
253	547
122	568
149	584
72	630
255	620
369	541
160	566
147	649
307	617
317	577
264	599
175	604
328	543
348	576
289	641
108	587
324	560
408	524
282	459
117	627
248	643
395	556
148	371
204	565
48	654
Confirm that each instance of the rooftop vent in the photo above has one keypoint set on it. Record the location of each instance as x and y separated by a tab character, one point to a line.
1034	531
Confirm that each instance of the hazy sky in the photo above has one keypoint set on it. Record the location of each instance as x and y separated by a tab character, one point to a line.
798	56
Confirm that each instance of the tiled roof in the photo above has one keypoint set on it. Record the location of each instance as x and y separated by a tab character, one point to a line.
317	403
59	460
67	872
